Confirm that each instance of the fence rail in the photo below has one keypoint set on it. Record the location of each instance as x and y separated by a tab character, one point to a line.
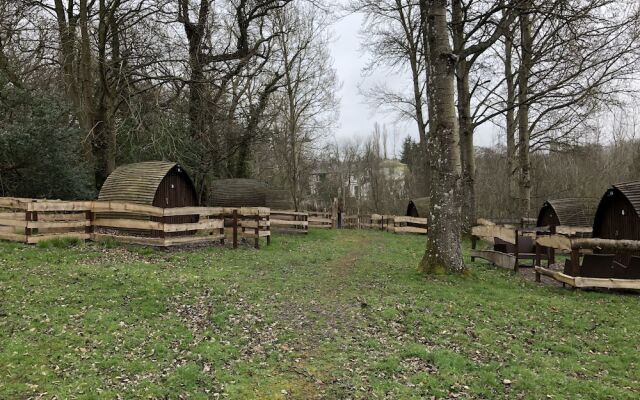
33	221
290	221
323	220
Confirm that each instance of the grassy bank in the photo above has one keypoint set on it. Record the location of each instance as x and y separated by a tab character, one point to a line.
332	315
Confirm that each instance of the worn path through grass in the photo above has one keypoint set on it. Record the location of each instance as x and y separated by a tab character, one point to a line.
334	315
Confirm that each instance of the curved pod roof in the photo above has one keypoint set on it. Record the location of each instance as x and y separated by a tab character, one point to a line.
578	212
138	183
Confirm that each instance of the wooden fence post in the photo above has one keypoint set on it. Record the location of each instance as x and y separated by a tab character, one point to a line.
552	251
27	231
269	229
90	216
221	231
516	266
538	261
235	229
257	231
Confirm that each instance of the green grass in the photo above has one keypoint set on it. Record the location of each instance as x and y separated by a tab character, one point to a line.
332	315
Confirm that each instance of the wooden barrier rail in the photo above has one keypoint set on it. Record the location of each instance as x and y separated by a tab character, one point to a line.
33	221
389	223
408	225
322	220
290	221
578	247
350	222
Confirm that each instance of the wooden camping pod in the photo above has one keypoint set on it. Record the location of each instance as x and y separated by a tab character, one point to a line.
154	183
618	216
576	212
418	208
238	193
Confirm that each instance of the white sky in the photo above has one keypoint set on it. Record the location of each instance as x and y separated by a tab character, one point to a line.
356	116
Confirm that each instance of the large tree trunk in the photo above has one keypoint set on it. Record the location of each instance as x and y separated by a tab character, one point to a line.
523	112
444	252
511	125
465	120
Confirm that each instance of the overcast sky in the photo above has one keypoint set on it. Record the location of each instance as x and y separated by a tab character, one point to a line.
356	116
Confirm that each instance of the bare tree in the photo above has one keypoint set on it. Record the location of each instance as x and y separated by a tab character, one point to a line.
444	251
306	106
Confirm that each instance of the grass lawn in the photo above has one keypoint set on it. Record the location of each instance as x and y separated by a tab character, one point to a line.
333	315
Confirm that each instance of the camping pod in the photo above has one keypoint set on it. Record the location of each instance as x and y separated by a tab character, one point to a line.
618	215
154	183
418	208
571	212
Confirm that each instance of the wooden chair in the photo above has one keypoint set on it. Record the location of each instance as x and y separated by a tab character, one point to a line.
524	249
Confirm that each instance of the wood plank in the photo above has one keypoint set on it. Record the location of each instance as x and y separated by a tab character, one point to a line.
557	275
128	224
609	244
287	230
320	226
584	282
206	224
559	242
505	233
201	211
14	203
13	237
182	240
120	207
500	259
411	220
408	229
253	224
16	216
610	283
286	222
320	220
483	221
49	205
290	213
12	222
57	217
58	224
40	238
573	230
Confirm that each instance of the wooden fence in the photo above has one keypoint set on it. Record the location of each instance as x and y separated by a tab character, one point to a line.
389	223
408	225
290	221
254	221
322	220
32	221
350	221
